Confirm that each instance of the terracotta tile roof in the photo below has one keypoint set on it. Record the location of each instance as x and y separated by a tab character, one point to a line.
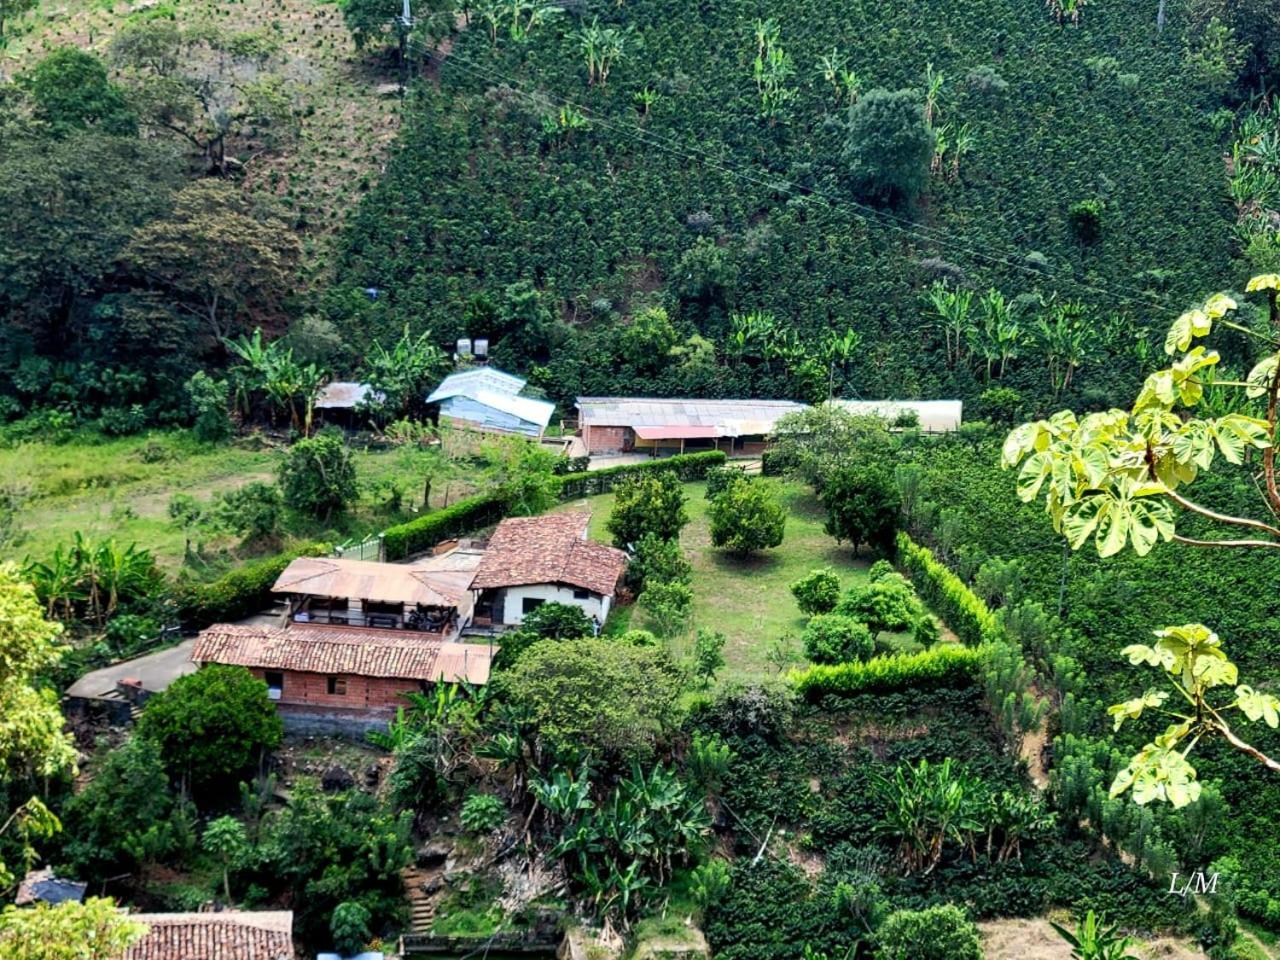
230	935
360	653
434	582
549	549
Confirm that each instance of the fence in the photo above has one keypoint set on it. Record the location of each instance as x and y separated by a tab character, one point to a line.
371	547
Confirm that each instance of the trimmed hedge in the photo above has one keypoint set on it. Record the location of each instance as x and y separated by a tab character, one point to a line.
946	594
945	666
240	593
426	531
687	466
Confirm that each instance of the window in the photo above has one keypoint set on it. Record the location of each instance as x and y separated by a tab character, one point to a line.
530	604
275	681
582	594
337	686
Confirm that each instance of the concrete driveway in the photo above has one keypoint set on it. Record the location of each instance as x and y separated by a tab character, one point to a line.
155	671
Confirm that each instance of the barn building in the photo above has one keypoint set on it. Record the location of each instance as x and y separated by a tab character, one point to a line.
535	560
490	401
612	425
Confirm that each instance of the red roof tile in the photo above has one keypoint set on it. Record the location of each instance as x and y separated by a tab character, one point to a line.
230	935
549	549
361	653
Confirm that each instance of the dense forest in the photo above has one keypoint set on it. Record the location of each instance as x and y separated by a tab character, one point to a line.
876	693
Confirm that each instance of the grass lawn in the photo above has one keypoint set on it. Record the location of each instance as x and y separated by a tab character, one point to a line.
121	488
747	600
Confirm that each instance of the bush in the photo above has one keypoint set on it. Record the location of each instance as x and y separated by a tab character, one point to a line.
209	400
722	478
960	608
746	709
833	638
889	144
252	512
748	516
686	466
240	593
483	813
818	591
862	506
212	727
652	503
557	621
938	933
658	561
1085	218
889	603
420	534
668	604
349	926
945	666
318	476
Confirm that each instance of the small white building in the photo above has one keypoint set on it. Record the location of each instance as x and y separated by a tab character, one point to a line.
934	416
535	560
488	400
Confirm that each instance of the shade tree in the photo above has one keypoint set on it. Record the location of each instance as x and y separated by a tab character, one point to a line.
648	503
747	516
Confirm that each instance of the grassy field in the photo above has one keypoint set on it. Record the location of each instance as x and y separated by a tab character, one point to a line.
122	488
747	600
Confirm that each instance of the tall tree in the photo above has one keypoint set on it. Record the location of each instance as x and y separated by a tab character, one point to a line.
224	256
70	90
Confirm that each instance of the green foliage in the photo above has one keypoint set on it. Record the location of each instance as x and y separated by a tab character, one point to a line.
349	927
209	399
888	144
709	883
669	605
371	21
862	506
936	933
70	90
91	581
239	593
607	699
648	503
835	638
688	467
227	842
483	813
658	561
722	478
945	593
96	929
708	654
235	720
125	817
818	591
1092	940
557	621
747	516
254	511
318	476
1085	217
889	603
454	520
940	667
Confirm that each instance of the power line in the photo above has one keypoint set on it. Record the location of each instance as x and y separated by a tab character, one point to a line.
921	233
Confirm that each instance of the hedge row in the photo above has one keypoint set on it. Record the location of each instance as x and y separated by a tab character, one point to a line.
947	665
687	466
242	592
426	531
946	594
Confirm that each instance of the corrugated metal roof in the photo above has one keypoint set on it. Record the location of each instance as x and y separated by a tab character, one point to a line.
469	382
342	395
676	432
442	581
938	416
730	418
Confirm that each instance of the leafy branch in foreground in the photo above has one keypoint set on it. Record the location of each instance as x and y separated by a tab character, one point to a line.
1120	478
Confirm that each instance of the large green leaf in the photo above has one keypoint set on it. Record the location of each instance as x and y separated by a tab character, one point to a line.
1235	432
1132	709
1192	324
1258	706
1260	377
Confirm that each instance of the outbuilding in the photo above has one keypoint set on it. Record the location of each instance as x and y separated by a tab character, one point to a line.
611	425
490	401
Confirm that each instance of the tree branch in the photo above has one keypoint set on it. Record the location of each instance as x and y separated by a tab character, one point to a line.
1245	748
1179	538
1186	504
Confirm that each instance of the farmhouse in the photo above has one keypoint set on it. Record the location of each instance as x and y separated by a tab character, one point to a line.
535	560
488	400
663	427
430	598
225	935
346	676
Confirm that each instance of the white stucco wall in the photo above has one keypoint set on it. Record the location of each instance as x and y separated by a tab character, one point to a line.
514	597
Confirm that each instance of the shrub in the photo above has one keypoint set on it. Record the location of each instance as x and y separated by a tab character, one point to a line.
888	144
818	591
720	479
748	516
668	605
708	654
1001	405
946	593
937	933
483	813
651	503
862	506
557	621
1085	217
945	666
659	561
318	476
239	593
833	638
686	466
212	726
889	603
405	539
252	512
744	709
349	927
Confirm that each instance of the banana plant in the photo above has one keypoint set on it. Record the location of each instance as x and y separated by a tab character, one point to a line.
1091	940
951	307
602	47
934	84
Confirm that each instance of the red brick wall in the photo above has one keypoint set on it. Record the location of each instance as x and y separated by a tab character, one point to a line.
604	439
382	694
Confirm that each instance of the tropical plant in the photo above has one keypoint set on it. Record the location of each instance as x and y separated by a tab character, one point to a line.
602	47
1115	477
925	807
226	841
482	813
399	379
951	307
1092	940
93	930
